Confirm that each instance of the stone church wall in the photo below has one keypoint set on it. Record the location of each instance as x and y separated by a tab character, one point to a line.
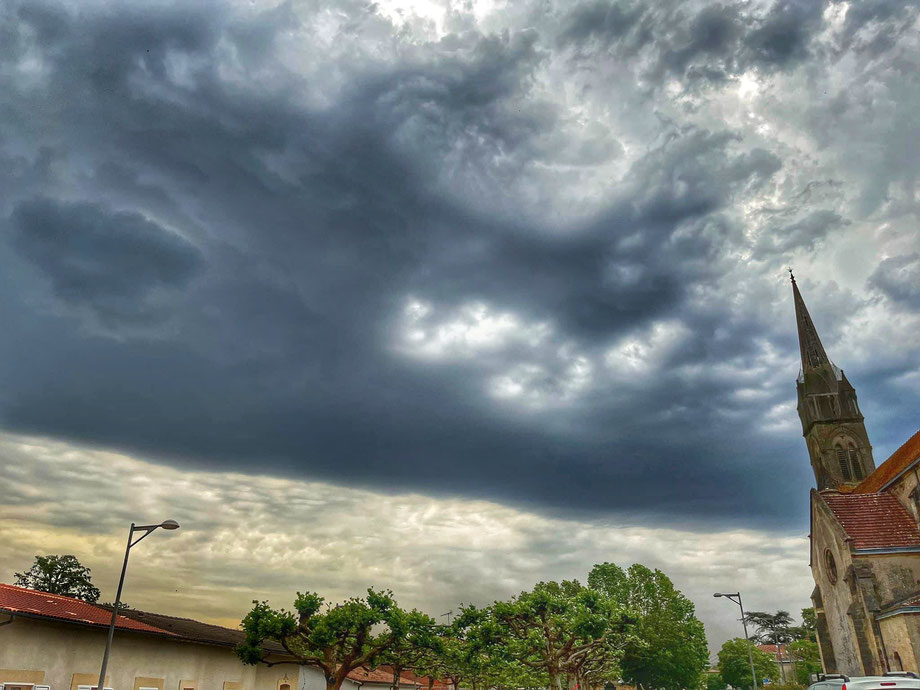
905	490
902	637
837	597
896	577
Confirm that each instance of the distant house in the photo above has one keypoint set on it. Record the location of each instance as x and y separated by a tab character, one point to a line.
56	641
785	666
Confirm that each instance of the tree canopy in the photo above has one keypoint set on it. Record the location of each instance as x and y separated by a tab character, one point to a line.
63	575
337	639
556	635
807	659
735	666
668	649
771	628
562	629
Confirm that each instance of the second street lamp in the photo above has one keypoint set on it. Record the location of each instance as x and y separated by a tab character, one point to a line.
146	529
736	597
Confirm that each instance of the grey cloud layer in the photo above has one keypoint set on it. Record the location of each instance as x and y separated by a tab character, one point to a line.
536	257
245	538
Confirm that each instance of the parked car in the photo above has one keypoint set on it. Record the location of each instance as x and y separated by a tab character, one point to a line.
892	680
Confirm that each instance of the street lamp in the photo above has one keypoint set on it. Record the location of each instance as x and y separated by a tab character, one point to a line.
736	597
146	529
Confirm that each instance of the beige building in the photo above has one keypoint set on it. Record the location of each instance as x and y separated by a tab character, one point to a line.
865	540
56	641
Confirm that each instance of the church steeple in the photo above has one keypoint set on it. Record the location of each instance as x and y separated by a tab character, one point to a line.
832	424
813	354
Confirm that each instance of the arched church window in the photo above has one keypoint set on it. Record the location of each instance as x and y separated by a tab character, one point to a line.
830	566
844	463
855	464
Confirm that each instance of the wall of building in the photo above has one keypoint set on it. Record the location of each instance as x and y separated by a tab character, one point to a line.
61	650
896	576
902	636
837	597
904	490
313	679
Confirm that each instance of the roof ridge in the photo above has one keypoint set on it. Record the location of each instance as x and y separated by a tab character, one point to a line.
891	468
175	618
50	594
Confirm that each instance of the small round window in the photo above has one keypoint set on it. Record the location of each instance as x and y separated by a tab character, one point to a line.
830	565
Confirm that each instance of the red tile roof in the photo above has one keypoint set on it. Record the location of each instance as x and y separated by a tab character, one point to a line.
899	461
874	521
775	651
33	603
382	674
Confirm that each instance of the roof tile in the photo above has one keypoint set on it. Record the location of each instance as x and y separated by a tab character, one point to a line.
874	521
899	461
21	600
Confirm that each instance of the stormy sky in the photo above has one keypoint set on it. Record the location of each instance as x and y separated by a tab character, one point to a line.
495	288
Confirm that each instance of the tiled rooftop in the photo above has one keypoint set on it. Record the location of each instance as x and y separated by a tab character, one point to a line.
31	602
874	521
899	461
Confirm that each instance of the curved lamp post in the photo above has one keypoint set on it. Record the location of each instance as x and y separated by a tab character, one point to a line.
736	597
146	529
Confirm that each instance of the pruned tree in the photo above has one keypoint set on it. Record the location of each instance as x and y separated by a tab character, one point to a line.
471	653
557	628
413	652
336	640
63	575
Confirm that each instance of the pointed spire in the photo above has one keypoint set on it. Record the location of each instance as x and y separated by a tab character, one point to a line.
813	354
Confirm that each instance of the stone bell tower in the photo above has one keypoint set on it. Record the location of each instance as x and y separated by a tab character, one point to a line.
832	424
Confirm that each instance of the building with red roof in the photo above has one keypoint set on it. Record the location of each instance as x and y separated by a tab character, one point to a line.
56	641
865	524
785	666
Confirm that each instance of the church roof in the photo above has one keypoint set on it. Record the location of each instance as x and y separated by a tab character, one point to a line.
874	521
884	474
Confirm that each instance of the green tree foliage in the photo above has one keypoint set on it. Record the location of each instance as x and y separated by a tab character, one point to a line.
669	649
714	681
806	631
562	629
770	628
809	619
735	667
420	644
807	659
63	575
340	638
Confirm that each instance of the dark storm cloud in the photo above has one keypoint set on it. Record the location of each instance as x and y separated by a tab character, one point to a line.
898	278
109	261
171	161
803	233
702	45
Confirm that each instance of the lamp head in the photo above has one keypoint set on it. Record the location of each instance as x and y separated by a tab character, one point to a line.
717	595
169	524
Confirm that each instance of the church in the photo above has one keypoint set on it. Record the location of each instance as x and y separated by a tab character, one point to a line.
865	524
